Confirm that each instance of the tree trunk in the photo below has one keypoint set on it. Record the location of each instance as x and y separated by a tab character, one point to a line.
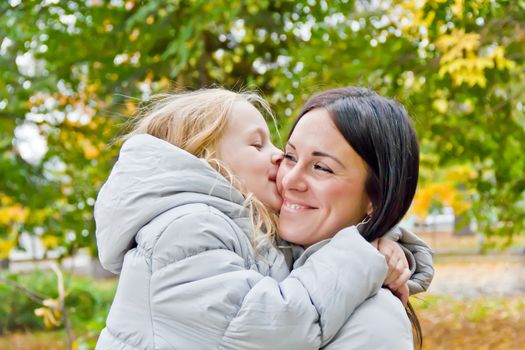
4	264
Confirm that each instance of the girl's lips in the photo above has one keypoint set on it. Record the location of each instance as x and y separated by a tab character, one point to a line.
273	176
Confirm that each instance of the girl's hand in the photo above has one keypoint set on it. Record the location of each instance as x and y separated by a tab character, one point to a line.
398	269
402	293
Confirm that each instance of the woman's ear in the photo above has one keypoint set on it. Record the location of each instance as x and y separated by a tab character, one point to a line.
369	209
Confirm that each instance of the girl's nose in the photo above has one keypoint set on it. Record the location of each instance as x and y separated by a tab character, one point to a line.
277	158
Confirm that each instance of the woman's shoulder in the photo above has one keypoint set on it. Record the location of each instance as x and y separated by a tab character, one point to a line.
380	322
383	310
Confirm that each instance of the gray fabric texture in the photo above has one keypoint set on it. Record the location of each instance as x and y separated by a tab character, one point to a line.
423	263
380	323
189	277
180	238
419	256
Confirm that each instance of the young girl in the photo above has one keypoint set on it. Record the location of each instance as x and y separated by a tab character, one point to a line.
187	217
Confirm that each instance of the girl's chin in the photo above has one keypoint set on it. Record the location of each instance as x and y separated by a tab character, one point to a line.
276	206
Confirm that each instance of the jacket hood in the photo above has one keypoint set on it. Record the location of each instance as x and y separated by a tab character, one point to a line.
150	177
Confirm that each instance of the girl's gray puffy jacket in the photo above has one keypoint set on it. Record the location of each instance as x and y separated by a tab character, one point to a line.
180	238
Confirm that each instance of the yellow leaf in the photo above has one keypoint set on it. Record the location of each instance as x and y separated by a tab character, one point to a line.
133	36
49	241
461	60
440	105
13	214
5	248
500	60
447	189
90	151
457	8
51	317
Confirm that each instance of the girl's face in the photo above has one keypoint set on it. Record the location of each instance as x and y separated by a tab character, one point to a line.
322	181
246	149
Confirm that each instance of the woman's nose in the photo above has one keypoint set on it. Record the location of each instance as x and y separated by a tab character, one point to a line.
293	179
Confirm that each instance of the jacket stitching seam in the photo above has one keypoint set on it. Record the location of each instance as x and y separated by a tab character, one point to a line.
151	311
231	320
209	211
248	260
202	211
119	338
319	314
190	256
143	252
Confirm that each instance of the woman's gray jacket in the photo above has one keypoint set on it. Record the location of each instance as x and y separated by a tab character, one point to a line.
181	240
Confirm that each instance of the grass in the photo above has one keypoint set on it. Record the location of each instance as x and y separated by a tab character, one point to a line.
486	323
51	340
448	322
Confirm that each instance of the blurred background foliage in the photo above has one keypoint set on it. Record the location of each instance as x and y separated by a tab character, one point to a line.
72	72
86	304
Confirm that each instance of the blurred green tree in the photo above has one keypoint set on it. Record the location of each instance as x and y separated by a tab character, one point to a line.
69	68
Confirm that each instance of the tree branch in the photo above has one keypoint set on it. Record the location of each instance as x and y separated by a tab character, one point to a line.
31	294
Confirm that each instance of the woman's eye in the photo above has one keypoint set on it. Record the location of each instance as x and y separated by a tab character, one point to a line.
323	169
257	145
289	157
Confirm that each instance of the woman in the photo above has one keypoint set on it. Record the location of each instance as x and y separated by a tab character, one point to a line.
195	273
351	143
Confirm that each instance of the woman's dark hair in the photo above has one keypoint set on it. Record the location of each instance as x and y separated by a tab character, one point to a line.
381	133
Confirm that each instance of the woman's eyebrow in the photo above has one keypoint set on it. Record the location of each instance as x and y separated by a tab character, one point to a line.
320	154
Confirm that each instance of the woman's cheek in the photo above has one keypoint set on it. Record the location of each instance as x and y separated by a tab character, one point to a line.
279	179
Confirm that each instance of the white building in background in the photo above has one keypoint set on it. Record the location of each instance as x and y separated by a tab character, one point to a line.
34	255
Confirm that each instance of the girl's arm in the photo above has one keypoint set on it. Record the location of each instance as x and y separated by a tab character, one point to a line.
419	256
203	288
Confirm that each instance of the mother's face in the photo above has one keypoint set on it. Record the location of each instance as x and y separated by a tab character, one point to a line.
322	181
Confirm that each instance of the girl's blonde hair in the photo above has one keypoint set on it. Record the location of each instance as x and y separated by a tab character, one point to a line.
195	122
